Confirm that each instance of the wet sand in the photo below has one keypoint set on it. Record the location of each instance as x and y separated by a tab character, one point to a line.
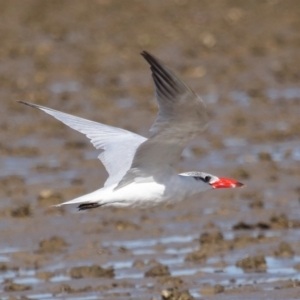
242	58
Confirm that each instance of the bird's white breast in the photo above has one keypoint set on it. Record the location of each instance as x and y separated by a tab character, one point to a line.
143	194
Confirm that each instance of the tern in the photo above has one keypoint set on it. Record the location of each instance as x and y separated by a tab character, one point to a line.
142	171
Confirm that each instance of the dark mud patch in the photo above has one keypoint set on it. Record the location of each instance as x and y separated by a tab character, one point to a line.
265	156
246	226
241	173
22	211
214	244
11	181
3	267
91	272
256	204
275	222
54	244
13	186
70	145
20	151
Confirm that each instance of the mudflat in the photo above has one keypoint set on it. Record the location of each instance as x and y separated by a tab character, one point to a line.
82	57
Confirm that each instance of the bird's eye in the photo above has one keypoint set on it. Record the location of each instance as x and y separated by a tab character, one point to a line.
207	178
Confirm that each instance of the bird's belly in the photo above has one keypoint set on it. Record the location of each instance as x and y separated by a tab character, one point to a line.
139	195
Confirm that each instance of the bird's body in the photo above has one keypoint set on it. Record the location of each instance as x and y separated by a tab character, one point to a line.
145	193
142	171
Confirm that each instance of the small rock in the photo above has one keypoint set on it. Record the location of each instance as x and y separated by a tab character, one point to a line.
284	250
196	256
170	281
158	270
211	238
45	276
209	40
139	264
65	288
254	263
172	294
212	290
91	271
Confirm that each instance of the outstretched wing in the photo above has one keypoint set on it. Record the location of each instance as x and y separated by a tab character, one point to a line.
118	145
182	116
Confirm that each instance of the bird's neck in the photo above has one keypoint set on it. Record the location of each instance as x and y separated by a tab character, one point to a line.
192	186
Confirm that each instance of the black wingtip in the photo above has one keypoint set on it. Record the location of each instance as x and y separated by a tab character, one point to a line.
85	206
19	101
151	59
144	53
27	103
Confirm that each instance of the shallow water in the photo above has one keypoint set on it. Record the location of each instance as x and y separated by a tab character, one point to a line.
242	58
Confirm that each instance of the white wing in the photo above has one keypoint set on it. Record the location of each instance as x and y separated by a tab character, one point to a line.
119	145
182	116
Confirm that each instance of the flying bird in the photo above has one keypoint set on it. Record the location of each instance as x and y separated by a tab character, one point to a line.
142	170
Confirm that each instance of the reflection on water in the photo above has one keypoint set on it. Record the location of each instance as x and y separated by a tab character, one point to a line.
286	93
124	103
180	250
240	97
44	296
210	98
27	280
59	278
152	242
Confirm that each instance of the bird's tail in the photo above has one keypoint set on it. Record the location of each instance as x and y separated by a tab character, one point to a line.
91	200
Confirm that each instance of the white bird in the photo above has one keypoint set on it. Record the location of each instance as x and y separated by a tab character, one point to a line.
142	171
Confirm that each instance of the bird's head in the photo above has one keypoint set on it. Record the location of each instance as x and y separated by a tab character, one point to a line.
214	181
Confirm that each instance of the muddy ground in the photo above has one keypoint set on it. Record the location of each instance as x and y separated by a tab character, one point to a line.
82	57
